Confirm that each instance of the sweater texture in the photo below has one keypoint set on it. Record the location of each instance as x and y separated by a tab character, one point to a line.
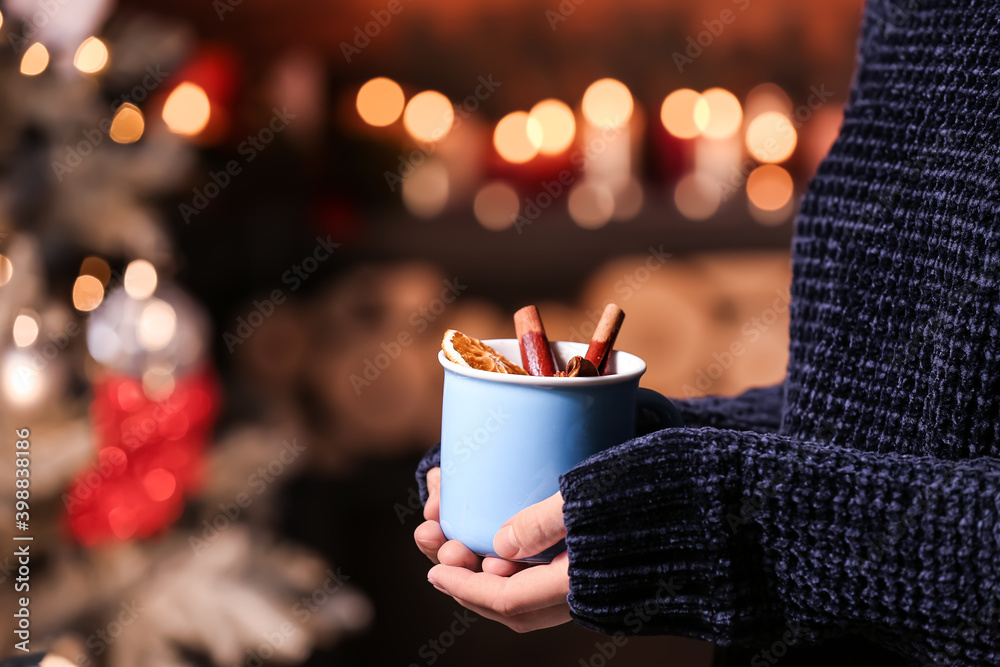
857	505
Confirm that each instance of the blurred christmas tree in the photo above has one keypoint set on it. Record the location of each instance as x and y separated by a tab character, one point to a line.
106	364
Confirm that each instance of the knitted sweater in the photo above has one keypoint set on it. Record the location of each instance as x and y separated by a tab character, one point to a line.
860	500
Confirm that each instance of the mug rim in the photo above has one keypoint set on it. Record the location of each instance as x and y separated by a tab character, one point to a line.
538	381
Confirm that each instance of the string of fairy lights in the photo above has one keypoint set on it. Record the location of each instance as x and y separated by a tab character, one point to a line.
721	133
156	326
186	110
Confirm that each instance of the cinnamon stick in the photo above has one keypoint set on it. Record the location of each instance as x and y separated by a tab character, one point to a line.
536	357
603	340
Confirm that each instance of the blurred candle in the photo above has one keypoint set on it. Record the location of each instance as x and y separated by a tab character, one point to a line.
557	124
380	102
428	117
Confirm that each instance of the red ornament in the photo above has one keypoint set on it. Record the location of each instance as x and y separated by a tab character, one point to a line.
148	459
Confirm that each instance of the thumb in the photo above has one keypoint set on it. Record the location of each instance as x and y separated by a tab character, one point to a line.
531	530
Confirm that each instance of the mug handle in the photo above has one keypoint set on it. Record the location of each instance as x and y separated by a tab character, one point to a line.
654	411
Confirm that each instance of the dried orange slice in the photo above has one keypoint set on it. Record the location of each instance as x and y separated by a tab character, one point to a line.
474	353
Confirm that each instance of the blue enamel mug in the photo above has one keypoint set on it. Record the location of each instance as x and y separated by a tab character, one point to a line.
506	439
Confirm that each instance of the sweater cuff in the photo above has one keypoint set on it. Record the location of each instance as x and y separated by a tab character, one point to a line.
652	549
432	459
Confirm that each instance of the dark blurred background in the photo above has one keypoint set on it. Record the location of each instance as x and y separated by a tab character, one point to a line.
233	232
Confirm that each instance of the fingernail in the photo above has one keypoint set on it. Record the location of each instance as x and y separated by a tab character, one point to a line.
505	542
435	585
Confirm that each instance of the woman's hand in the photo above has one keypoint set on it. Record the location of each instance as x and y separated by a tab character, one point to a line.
521	596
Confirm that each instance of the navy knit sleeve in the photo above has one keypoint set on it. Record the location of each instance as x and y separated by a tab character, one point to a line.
740	538
432	459
756	409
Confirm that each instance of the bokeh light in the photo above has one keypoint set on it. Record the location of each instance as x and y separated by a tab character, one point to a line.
6	270
677	113
766	97
140	279
628	200
771	218
718	113
429	116
607	103
91	56
128	124
557	124
158	383
96	267
380	102
496	206
187	109
697	196
771	137
770	187
425	191
517	137
22	384
35	59
590	205
157	325
88	292
122	521
159	484
25	330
